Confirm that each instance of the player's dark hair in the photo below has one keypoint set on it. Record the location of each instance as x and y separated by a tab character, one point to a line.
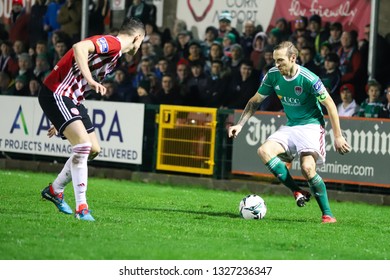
131	26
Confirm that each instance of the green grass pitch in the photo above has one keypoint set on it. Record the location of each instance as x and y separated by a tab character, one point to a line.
139	221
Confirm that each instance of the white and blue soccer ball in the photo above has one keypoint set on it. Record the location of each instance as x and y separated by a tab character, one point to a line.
253	207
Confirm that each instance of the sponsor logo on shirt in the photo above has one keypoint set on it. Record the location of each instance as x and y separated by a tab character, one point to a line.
103	45
277	87
290	101
318	85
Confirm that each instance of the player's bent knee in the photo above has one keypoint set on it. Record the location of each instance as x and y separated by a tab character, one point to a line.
308	170
81	153
264	154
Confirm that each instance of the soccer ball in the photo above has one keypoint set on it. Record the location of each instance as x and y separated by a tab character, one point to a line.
252	207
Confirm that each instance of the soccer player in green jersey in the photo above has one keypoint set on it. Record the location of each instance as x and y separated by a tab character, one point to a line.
301	93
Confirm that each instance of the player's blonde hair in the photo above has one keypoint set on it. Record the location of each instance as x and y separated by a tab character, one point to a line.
290	47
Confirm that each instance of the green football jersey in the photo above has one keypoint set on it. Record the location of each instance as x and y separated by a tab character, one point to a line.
298	95
370	109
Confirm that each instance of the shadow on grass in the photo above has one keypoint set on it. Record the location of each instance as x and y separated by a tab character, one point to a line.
212	214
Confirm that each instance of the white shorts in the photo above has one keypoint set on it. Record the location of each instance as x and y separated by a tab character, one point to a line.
301	138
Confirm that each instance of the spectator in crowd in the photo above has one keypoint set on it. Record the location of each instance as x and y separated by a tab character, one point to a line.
34	86
372	107
145	69
351	64
247	37
42	67
20	87
331	77
123	88
8	61
155	85
40	48
111	93
224	25
216	88
140	10
211	34
25	67
150	28
306	59
50	19
168	94
18	22
197	84
183	39
4	36
241	87
319	59
170	54
130	62
98	10
299	29
195	52
152	11
143	93
35	25
336	29
268	59
284	28
182	76
148	53
386	107
382	56
274	37
348	106
155	41
228	41
317	33
179	26
216	53
6	83
161	68
237	56
56	36
69	18
18	47
257	54
60	49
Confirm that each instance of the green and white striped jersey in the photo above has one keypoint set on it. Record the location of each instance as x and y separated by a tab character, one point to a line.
299	95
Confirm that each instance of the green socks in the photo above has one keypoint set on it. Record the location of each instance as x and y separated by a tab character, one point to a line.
280	170
318	188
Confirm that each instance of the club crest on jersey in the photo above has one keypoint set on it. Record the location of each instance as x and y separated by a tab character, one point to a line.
103	45
74	111
298	90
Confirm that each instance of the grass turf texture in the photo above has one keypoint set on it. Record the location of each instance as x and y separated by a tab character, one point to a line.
139	221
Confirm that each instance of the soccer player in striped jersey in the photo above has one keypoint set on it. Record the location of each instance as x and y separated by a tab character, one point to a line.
82	68
300	92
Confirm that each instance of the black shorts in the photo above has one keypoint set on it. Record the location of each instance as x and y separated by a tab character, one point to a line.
61	111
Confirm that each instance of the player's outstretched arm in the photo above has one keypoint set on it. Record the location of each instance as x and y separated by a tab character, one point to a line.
248	112
340	143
